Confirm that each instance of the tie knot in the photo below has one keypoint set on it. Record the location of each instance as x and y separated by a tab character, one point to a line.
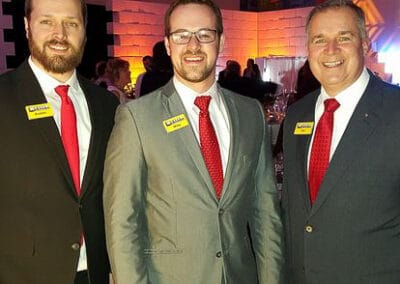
62	91
331	105
202	102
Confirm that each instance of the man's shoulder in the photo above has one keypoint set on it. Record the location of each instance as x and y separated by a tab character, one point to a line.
9	76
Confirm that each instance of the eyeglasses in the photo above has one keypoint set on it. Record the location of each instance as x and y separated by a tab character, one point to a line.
202	35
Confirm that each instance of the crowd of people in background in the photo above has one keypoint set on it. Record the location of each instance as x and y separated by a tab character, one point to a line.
114	74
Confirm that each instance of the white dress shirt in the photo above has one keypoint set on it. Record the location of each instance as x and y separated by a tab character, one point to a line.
84	126
218	115
348	100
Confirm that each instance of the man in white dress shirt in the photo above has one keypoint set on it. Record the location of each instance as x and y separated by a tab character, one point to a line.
52	224
172	216
341	193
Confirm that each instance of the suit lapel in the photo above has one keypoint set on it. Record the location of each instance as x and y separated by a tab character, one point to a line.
363	122
303	144
173	106
233	116
97	121
29	92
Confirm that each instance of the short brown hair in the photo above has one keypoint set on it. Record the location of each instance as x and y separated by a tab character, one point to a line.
28	9
209	3
114	65
337	4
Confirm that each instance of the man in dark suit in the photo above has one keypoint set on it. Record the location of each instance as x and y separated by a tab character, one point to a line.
341	183
51	224
176	213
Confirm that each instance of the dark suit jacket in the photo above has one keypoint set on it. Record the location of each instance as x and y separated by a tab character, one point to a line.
351	234
42	219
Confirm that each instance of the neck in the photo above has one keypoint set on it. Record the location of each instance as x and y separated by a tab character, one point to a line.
198	87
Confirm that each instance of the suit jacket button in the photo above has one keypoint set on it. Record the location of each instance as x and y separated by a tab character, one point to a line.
221	211
309	229
75	246
219	254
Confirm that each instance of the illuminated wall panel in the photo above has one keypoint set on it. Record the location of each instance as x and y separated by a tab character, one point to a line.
6	48
281	33
241	34
137	26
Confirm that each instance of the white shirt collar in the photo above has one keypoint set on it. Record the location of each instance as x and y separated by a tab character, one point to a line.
350	96
188	95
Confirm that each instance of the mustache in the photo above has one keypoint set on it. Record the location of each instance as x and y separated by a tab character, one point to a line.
62	42
194	53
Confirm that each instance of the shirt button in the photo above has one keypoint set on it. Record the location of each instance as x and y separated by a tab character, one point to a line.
219	254
75	246
309	229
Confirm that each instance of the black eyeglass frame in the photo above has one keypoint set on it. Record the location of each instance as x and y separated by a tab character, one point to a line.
195	33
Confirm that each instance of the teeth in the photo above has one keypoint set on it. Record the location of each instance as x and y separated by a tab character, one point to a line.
57	47
193	59
333	64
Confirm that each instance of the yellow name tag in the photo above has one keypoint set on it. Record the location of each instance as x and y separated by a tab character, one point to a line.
303	128
175	123
39	111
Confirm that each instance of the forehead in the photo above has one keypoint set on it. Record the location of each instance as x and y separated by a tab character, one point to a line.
192	16
333	20
54	8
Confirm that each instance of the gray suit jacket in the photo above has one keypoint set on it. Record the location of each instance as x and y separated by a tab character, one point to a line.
351	234
163	221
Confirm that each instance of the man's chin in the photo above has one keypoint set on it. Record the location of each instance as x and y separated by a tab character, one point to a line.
59	64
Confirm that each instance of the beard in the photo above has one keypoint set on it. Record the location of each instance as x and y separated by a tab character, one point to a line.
195	74
57	64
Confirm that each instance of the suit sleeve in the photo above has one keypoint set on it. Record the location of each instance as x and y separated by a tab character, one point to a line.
124	193
266	226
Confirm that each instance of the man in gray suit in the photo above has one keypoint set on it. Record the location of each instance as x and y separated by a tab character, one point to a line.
342	213
170	216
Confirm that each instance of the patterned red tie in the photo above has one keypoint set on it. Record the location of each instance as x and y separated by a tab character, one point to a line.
209	144
320	151
69	134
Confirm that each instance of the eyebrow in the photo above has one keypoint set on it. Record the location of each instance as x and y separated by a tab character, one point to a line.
341	33
52	16
346	33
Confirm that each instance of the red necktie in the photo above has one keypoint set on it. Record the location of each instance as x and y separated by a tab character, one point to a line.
209	144
319	158
69	134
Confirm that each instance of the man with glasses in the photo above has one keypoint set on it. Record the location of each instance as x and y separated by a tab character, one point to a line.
189	188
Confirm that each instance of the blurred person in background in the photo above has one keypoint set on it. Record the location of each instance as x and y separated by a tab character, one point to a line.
161	71
101	78
147	64
120	76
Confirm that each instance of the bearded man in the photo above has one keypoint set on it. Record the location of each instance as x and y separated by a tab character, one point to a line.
189	192
55	126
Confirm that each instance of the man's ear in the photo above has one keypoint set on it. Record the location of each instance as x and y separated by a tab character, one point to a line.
221	43
166	43
26	24
366	45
